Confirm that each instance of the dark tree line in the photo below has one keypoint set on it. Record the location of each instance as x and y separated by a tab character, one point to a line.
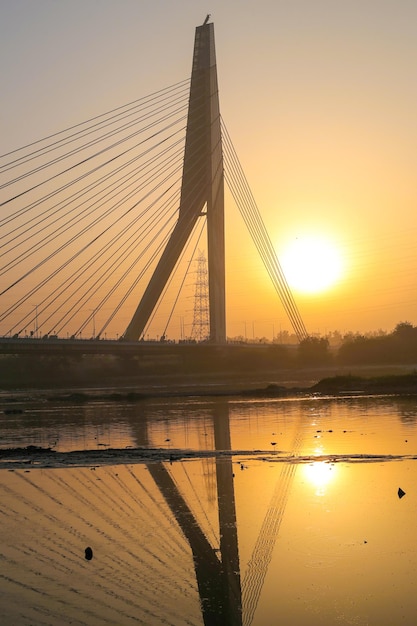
397	347
400	346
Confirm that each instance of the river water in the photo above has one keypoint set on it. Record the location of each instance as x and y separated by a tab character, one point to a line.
209	511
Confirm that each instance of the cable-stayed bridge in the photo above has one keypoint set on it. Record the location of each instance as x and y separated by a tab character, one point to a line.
99	226
101	221
163	533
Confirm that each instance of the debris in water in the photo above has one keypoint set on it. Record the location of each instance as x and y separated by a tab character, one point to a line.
401	493
88	554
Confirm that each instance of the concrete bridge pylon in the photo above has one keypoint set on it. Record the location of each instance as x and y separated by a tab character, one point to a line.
202	193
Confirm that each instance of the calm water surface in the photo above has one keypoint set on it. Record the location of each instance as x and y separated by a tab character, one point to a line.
296	519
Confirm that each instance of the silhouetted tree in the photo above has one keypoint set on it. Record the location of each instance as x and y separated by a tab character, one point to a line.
400	346
404	342
313	351
404	330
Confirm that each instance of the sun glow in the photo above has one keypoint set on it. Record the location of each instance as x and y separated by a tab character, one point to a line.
311	264
320	474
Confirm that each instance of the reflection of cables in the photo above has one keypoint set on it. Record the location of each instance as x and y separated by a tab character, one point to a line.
243	197
197	497
125	508
148	500
262	552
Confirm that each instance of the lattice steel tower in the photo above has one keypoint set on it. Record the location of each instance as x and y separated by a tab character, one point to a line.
200	330
202	193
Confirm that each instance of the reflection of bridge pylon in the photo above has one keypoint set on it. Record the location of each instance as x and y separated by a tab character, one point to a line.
217	574
226	597
202	193
200	330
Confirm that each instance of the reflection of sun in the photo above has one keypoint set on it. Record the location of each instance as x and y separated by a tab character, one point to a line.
319	474
311	264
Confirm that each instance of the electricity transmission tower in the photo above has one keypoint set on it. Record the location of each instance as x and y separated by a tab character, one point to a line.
200	330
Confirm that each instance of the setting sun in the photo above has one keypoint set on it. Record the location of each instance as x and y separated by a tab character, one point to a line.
311	264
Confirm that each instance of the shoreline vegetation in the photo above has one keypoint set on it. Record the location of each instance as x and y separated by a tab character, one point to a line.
167	367
333	386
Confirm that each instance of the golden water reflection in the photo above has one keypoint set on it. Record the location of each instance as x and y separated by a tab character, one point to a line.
260	538
320	474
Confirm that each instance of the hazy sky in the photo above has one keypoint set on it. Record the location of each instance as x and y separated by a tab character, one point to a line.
319	98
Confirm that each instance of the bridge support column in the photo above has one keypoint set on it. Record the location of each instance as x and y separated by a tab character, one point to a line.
202	193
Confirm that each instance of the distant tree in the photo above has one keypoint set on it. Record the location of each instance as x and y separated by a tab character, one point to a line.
404	342
286	338
350	336
313	351
335	338
237	339
375	348
363	350
404	329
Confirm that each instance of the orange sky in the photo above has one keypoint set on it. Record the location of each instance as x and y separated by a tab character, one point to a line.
319	101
